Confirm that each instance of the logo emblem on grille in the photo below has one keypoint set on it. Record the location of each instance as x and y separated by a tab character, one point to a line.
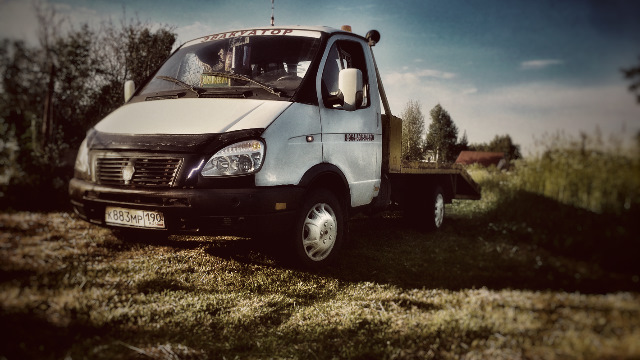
127	173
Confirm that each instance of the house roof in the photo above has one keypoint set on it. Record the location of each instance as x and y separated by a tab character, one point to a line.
484	158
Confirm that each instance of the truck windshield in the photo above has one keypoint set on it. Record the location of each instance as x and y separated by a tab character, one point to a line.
267	64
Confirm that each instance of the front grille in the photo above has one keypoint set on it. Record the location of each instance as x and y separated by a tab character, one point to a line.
139	171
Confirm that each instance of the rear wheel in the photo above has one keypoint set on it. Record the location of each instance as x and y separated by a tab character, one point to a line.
426	212
319	231
437	206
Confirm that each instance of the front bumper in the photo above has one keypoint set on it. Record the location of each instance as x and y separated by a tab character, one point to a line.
248	211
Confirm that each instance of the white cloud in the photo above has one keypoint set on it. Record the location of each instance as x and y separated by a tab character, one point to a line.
354	9
539	64
193	31
533	110
469	91
526	112
415	77
435	74
18	21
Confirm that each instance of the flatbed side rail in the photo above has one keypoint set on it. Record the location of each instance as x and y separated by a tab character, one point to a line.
462	185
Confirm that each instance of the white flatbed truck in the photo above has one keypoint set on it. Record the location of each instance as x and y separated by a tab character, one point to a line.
259	131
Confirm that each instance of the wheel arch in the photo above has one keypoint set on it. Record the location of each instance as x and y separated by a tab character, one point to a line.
328	176
443	181
448	187
409	187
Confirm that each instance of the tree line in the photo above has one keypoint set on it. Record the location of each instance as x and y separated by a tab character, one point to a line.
440	142
53	92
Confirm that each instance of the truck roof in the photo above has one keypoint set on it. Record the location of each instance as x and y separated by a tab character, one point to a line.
268	30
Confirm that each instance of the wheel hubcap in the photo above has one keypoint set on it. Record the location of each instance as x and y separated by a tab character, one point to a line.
319	232
439	210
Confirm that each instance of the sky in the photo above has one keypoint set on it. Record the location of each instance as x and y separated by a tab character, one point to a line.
529	69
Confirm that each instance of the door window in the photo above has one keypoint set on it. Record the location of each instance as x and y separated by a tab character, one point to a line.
343	55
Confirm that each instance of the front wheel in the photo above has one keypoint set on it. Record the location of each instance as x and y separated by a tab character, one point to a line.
319	230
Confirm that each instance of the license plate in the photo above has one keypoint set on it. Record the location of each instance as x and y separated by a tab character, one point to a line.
134	218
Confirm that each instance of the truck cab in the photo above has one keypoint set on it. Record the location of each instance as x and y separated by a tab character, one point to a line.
256	131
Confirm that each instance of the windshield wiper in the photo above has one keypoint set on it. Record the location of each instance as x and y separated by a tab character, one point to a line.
179	82
270	89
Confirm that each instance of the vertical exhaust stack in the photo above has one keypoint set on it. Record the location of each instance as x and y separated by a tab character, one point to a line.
272	13
391	126
373	36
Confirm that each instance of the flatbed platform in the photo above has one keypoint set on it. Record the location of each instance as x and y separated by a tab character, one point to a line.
463	187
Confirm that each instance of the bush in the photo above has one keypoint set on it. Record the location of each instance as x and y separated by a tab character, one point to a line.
36	181
50	95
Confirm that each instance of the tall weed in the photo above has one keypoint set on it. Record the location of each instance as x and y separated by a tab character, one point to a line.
582	197
588	173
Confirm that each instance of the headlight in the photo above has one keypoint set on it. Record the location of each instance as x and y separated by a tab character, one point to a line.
240	158
82	168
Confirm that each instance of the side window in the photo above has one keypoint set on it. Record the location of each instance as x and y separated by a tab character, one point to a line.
343	55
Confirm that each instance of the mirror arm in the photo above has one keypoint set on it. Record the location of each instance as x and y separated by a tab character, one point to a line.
129	90
336	99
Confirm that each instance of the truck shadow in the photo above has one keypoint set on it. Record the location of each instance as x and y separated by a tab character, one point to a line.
525	242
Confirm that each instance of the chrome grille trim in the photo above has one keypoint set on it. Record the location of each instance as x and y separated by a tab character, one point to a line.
150	171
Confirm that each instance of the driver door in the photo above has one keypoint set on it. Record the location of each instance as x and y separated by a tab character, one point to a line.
351	140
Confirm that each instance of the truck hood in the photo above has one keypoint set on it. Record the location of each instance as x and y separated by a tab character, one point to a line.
191	116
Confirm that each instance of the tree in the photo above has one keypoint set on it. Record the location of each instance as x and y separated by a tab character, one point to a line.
47	91
500	143
442	135
412	131
51	94
146	51
128	51
463	143
506	145
20	109
633	74
76	84
20	103
49	24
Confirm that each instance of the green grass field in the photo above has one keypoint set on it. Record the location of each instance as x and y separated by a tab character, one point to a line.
515	275
545	266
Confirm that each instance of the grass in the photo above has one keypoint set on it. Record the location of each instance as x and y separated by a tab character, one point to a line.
586	190
589	172
515	275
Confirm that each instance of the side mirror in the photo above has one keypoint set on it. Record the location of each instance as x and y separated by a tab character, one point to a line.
129	89
350	85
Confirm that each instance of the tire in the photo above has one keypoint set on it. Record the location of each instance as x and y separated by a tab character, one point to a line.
319	231
436	215
426	211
